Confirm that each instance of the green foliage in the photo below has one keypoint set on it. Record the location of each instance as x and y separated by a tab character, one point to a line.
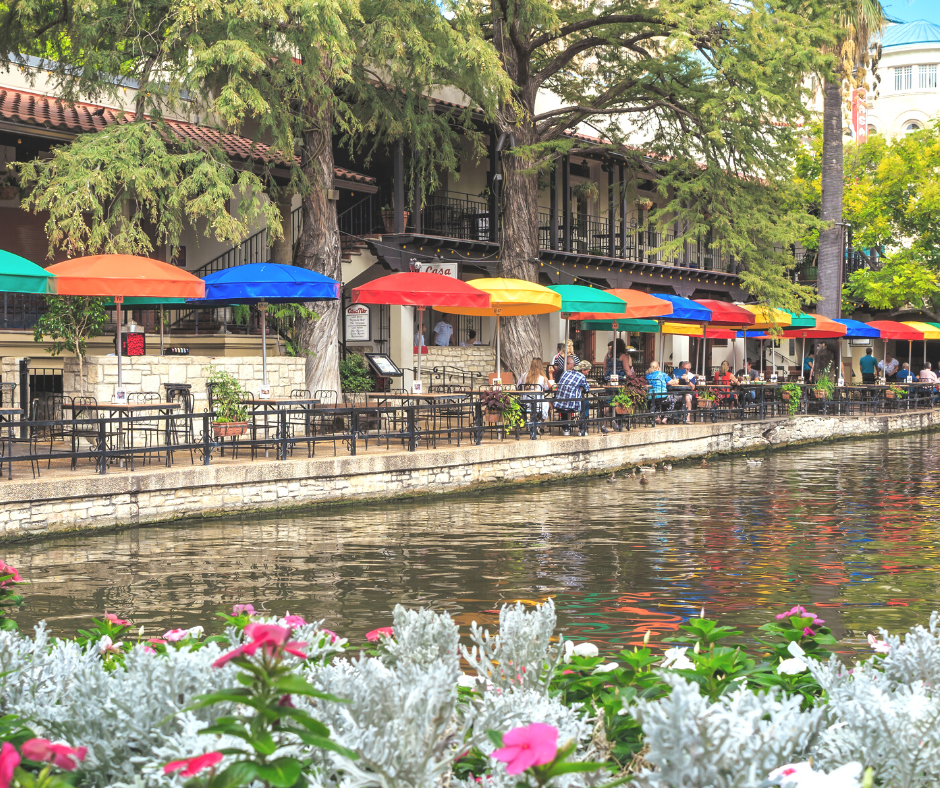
898	282
795	393
70	321
622	399
286	320
825	381
227	396
355	376
241	314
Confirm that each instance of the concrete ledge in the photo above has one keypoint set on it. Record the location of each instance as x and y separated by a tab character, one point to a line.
32	508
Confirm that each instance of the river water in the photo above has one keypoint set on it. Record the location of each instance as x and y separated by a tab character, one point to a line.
851	530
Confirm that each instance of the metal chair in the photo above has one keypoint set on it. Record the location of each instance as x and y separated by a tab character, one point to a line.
31	440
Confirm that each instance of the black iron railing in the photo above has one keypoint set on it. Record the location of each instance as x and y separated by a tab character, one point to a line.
456	215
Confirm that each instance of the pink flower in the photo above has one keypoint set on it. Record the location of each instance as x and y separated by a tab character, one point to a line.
293	621
878	646
191	766
6	569
375	634
237	610
61	755
9	760
531	745
798	610
115	620
330	634
808	632
158	641
148	650
175	634
107	646
270	638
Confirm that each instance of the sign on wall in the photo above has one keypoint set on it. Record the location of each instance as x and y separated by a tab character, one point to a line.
441	267
358	323
133	344
860	114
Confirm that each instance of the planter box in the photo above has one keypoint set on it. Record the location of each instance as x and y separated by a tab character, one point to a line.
229	429
891	394
388	219
820	394
623	411
493	418
786	396
706	404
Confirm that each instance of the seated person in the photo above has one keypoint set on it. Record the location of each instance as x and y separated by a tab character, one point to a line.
682	376
658	382
724	377
571	394
748	372
927	375
471	339
867	364
905	375
618	359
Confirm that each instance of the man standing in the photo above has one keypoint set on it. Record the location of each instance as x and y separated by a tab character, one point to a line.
442	333
867	365
571	395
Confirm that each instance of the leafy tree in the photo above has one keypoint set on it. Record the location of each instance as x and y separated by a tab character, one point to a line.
704	95
291	73
70	321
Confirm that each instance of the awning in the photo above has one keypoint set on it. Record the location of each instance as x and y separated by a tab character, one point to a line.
685	310
727	314
889	329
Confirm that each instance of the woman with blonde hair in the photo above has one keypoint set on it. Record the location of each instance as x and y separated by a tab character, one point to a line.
561	360
536	377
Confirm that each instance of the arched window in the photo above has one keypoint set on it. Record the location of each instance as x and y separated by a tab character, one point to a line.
911	126
872	130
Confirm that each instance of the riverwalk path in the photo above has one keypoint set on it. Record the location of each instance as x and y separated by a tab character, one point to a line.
82	500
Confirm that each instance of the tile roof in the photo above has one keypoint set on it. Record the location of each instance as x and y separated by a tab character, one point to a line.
33	109
919	32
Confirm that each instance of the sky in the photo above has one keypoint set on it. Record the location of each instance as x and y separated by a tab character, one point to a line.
910	10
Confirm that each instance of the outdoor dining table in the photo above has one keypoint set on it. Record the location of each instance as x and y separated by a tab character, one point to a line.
123	411
6	415
272	407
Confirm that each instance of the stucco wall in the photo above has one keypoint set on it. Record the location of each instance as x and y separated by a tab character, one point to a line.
36	507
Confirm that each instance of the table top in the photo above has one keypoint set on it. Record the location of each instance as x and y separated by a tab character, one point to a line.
126	407
280	401
11	411
428	396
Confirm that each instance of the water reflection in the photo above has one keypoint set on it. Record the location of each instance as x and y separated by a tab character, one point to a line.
850	528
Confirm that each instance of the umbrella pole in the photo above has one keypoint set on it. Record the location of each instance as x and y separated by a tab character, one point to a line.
117	303
499	376
263	307
704	346
420	343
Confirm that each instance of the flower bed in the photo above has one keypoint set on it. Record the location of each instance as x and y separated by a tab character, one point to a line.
279	702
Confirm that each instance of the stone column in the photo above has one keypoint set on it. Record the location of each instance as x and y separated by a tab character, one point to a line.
401	341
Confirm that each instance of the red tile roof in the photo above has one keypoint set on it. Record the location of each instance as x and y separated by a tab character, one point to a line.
33	109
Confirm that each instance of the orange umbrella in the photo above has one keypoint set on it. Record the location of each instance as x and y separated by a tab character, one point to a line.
639	305
120	275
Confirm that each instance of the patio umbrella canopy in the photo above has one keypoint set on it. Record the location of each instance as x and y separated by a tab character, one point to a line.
891	329
855	329
510	298
727	314
578	298
639	305
421	290
121	275
686	311
767	317
263	284
19	275
929	330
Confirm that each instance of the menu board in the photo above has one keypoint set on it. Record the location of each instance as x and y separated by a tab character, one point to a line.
357	323
133	344
383	365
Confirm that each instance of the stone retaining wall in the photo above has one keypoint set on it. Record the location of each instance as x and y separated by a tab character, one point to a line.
149	373
478	359
32	508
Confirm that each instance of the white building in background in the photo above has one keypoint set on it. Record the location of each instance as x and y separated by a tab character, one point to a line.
908	97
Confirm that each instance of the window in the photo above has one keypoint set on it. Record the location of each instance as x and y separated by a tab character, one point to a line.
903	78
927	77
911	127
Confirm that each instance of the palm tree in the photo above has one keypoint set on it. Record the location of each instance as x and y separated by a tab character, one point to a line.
858	23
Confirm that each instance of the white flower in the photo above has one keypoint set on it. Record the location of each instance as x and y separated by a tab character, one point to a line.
196	631
795	650
605	668
791	667
801	775
467	681
878	646
581	650
676	659
106	645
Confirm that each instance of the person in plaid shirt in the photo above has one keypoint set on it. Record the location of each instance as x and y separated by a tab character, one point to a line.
571	394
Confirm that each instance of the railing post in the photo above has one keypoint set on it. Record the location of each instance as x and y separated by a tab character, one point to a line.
24	394
10	449
478	421
354	429
206	445
102	448
282	429
412	436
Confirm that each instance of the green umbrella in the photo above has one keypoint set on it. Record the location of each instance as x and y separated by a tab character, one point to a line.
635	326
150	301
19	275
578	298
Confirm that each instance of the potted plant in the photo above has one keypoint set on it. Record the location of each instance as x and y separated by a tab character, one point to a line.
9	188
645	203
623	403
791	393
388	218
894	391
231	416
705	399
497	405
825	384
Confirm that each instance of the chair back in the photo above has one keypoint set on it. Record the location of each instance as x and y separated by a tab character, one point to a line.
301	394
506	378
326	396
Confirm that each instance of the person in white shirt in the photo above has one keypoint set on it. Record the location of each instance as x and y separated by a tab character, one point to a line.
890	369
442	333
419	340
927	375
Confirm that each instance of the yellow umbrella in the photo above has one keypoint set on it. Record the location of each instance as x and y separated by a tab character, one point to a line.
509	297
767	317
929	330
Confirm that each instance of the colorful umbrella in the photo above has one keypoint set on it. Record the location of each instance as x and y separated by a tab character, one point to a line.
929	330
578	298
855	329
263	284
421	290
890	329
509	297
19	275
121	275
728	315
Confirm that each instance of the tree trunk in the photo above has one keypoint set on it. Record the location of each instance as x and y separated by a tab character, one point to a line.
830	239
319	250
81	373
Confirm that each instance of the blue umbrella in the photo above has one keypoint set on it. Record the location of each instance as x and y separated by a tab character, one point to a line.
683	311
858	330
263	284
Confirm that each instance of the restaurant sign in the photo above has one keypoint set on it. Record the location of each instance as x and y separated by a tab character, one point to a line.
358	323
441	267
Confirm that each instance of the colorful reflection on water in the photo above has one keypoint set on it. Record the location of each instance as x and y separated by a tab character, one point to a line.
851	529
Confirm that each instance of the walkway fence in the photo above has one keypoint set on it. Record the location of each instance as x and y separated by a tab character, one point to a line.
98	439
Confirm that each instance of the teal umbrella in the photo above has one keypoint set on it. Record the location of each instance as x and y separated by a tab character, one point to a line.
589	300
19	275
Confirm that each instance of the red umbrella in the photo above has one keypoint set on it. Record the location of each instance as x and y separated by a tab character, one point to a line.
727	314
892	330
420	290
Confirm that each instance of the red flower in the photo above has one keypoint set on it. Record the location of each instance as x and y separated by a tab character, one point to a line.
61	755
270	638
9	760
6	569
191	766
375	634
115	620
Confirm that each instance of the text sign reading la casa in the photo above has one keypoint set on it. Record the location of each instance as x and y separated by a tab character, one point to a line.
357	323
436	267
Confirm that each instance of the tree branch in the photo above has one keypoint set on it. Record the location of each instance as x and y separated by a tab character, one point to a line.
588	24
